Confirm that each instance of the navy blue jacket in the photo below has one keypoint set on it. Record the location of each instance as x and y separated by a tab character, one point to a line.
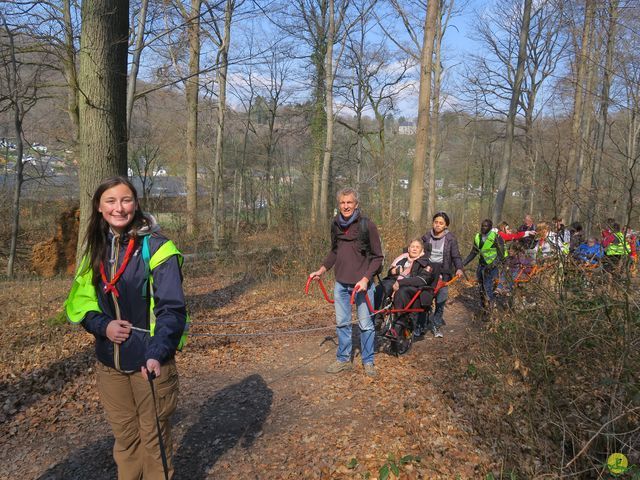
170	308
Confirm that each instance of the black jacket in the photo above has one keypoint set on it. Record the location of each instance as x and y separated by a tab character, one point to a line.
451	260
423	275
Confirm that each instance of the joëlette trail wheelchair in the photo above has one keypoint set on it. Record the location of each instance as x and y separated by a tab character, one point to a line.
394	326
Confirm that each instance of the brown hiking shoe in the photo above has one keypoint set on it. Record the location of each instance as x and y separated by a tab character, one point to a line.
338	366
369	370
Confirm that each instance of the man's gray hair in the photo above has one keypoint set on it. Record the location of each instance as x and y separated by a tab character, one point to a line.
343	192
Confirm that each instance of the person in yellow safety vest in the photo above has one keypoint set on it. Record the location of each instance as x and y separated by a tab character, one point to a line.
616	249
128	294
490	246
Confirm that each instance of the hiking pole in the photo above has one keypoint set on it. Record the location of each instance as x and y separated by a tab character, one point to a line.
151	376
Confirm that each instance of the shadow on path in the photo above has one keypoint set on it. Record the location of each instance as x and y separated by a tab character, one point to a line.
234	415
218	298
25	389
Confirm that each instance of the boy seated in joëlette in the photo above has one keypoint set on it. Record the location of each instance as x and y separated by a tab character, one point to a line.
422	276
589	252
401	266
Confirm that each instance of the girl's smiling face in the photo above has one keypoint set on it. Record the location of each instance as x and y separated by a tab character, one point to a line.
117	206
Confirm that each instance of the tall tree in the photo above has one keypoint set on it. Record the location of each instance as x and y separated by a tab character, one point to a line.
18	94
328	96
505	164
222	60
138	46
103	83
602	125
416	194
308	21
575	164
191	94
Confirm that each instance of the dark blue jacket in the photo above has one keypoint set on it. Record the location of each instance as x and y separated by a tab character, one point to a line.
170	309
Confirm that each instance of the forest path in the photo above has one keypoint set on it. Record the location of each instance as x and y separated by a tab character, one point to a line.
263	407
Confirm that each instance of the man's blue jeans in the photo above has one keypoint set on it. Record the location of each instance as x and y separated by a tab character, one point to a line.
486	276
342	298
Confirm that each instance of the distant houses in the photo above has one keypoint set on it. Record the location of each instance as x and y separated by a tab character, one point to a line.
407	128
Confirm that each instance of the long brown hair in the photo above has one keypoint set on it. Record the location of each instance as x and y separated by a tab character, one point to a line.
95	239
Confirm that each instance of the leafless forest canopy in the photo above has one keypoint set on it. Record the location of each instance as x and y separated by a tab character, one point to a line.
320	94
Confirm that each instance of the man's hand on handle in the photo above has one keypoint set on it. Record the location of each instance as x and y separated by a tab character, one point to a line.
318	272
362	285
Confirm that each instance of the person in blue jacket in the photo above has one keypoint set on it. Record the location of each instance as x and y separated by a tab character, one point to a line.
589	252
128	294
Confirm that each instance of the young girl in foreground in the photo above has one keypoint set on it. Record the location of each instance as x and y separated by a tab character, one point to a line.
128	294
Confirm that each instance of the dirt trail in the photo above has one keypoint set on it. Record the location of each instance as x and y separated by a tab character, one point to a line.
264	408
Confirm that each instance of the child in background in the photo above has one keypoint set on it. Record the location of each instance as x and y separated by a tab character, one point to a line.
589	252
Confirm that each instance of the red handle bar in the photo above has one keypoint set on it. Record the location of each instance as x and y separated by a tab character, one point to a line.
407	308
324	290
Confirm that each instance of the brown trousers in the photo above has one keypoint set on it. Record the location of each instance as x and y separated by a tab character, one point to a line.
128	403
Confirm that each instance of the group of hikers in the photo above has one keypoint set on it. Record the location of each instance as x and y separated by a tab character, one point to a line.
432	260
128	294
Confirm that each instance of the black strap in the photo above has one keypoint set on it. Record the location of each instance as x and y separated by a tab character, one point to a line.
151	375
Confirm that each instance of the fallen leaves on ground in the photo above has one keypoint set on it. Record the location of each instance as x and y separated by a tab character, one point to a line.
255	406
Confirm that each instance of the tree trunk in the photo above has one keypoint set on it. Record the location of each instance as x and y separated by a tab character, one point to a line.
603	119
318	122
243	157
467	169
328	89
191	93
416	193
505	164
223	62
435	122
103	83
578	101
13	80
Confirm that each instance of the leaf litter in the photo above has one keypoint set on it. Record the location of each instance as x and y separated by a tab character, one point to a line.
252	407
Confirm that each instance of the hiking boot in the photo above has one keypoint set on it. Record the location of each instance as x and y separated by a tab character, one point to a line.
369	369
437	332
338	366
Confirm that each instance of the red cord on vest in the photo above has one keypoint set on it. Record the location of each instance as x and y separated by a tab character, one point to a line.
110	286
